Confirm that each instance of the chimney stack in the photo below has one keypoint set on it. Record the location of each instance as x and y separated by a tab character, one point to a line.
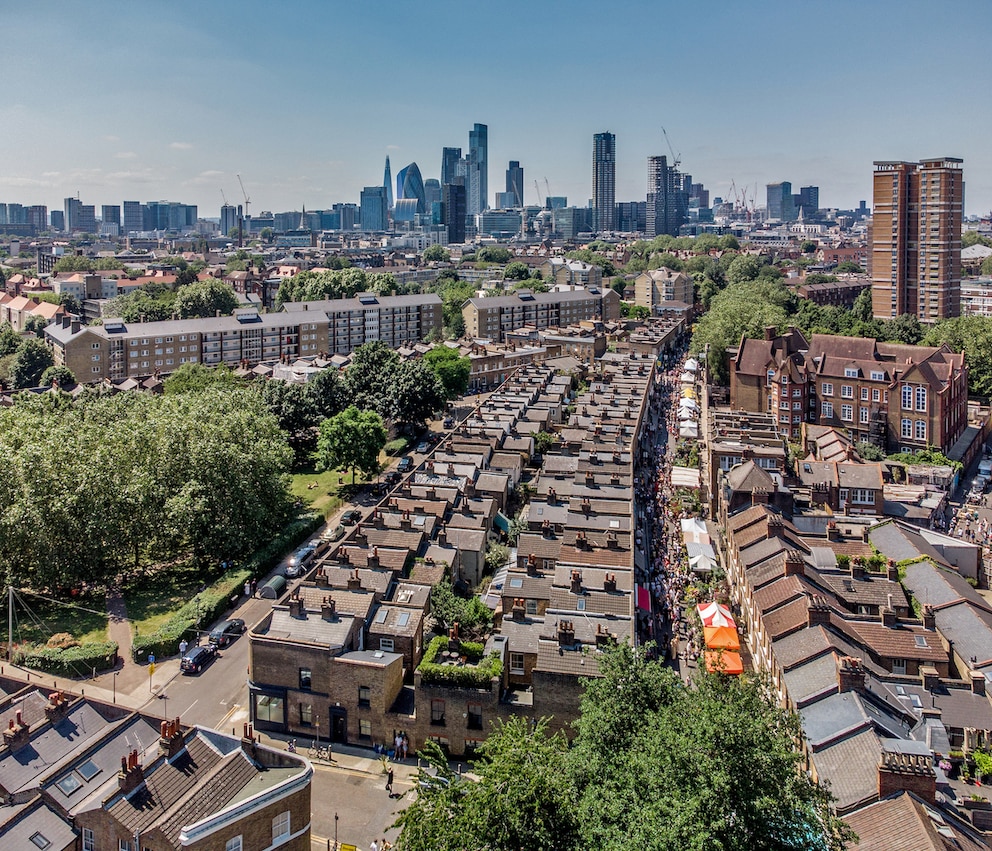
907	772
774	528
794	563
170	740
518	612
978	683
818	613
850	674
888	614
892	571
372	559
531	564
18	734
328	609
566	633
929	677
131	775
929	618
833	533
354	581
857	568
296	607
576	586
610	583
57	708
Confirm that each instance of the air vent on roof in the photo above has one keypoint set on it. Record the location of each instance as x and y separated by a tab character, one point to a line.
247	316
525	296
114	327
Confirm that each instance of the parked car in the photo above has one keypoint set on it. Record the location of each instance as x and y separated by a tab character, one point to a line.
197	658
405	465
351	517
423	447
392	478
449	422
298	560
338	532
226	631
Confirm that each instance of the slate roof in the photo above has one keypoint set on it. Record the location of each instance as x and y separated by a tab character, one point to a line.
906	822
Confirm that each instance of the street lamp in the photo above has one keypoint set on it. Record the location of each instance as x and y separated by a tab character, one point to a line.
335	832
116	673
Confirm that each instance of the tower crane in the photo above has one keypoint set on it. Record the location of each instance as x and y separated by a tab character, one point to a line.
247	215
537	189
676	158
247	199
222	195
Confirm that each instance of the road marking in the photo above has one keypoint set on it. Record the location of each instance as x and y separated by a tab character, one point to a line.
234	708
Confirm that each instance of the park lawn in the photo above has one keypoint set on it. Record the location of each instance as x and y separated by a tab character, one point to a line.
155	597
333	487
37	619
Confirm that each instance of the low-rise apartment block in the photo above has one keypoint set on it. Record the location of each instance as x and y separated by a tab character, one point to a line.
491	318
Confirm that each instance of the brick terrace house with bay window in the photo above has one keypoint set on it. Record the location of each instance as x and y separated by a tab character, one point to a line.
899	397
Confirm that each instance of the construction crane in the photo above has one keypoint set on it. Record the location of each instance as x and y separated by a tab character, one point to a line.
247	199
676	158
247	215
537	189
222	195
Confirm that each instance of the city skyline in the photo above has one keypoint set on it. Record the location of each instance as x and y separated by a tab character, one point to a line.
242	93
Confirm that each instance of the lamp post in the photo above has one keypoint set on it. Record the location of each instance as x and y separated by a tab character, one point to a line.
115	685
335	832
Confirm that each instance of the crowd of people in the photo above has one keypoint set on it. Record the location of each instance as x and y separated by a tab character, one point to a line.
662	566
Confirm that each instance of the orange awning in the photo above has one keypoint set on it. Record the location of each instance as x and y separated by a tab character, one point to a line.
721	638
724	662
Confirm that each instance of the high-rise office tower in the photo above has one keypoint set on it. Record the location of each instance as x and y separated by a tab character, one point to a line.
387	184
667	201
478	169
915	239
228	218
134	218
374	210
515	183
449	164
58	220
778	202
432	193
110	213
38	217
410	184
809	200
604	181
73	208
453	201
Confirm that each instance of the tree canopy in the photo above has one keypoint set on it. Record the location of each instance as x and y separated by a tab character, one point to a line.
436	254
654	765
351	440
969	334
205	298
335	283
451	369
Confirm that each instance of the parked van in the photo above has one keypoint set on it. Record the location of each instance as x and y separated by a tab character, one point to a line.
985	467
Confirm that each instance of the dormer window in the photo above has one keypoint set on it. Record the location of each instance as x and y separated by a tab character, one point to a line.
850	372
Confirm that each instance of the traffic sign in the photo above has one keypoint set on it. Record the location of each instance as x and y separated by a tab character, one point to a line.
151	658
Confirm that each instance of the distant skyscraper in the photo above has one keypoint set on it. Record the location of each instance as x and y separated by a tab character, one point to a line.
58	220
228	218
604	181
809	200
667	201
453	200
374	209
38	217
432	193
914	245
409	184
387	184
449	164
478	169
134	218
778	202
110	213
73	207
515	183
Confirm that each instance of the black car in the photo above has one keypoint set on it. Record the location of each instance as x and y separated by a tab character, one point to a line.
392	478
449	422
197	658
351	517
226	631
405	465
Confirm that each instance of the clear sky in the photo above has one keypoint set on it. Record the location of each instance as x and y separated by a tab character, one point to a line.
170	100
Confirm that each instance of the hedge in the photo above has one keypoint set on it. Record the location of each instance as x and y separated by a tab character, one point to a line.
216	600
78	661
477	675
397	446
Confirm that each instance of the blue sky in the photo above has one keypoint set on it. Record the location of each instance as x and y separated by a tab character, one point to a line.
155	100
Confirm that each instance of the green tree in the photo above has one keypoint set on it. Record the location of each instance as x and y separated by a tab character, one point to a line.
494	254
436	254
195	378
10	340
973	237
969	334
452	370
71	304
516	271
369	374
327	393
869	451
150	305
848	266
185	277
36	325
744	267
31	360
808	246
73	263
205	298
414	393
266	234
987	265
544	441
60	375
351	440
903	329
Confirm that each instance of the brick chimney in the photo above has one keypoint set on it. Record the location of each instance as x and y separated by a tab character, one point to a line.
328	610
759	496
296	607
905	772
888	614
18	734
794	563
978	683
248	743
442	537
372	560
929	618
546	530
131	775
581	542
170	740
531	564
566	633
590	479
576	586
610	583
857	568
774	528
320	578
354	581
833	533
892	571
850	674
57	707
818	613
604	637
586	506
615	480
519	611
611	541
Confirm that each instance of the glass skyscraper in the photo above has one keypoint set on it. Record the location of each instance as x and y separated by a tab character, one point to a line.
604	181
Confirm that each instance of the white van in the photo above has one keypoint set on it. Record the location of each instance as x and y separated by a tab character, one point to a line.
985	467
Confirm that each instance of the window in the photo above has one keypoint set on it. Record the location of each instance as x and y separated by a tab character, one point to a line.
306	679
39	840
125	845
797	406
437	713
280	827
516	663
877	376
850	372
864	496
863	413
269	708
898	666
364	697
921	429
907	397
68	784
875	395
797	393
864	394
475	716
907	428
306	714
847	413
364	728
847	391
386	644
827	389
94	345
827	410
233	844
89	842
921	398
530	606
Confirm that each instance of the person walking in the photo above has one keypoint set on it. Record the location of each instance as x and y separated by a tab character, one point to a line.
389	781
183	646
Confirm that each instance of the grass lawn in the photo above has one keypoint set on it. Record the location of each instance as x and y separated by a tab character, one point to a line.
153	599
36	619
332	489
